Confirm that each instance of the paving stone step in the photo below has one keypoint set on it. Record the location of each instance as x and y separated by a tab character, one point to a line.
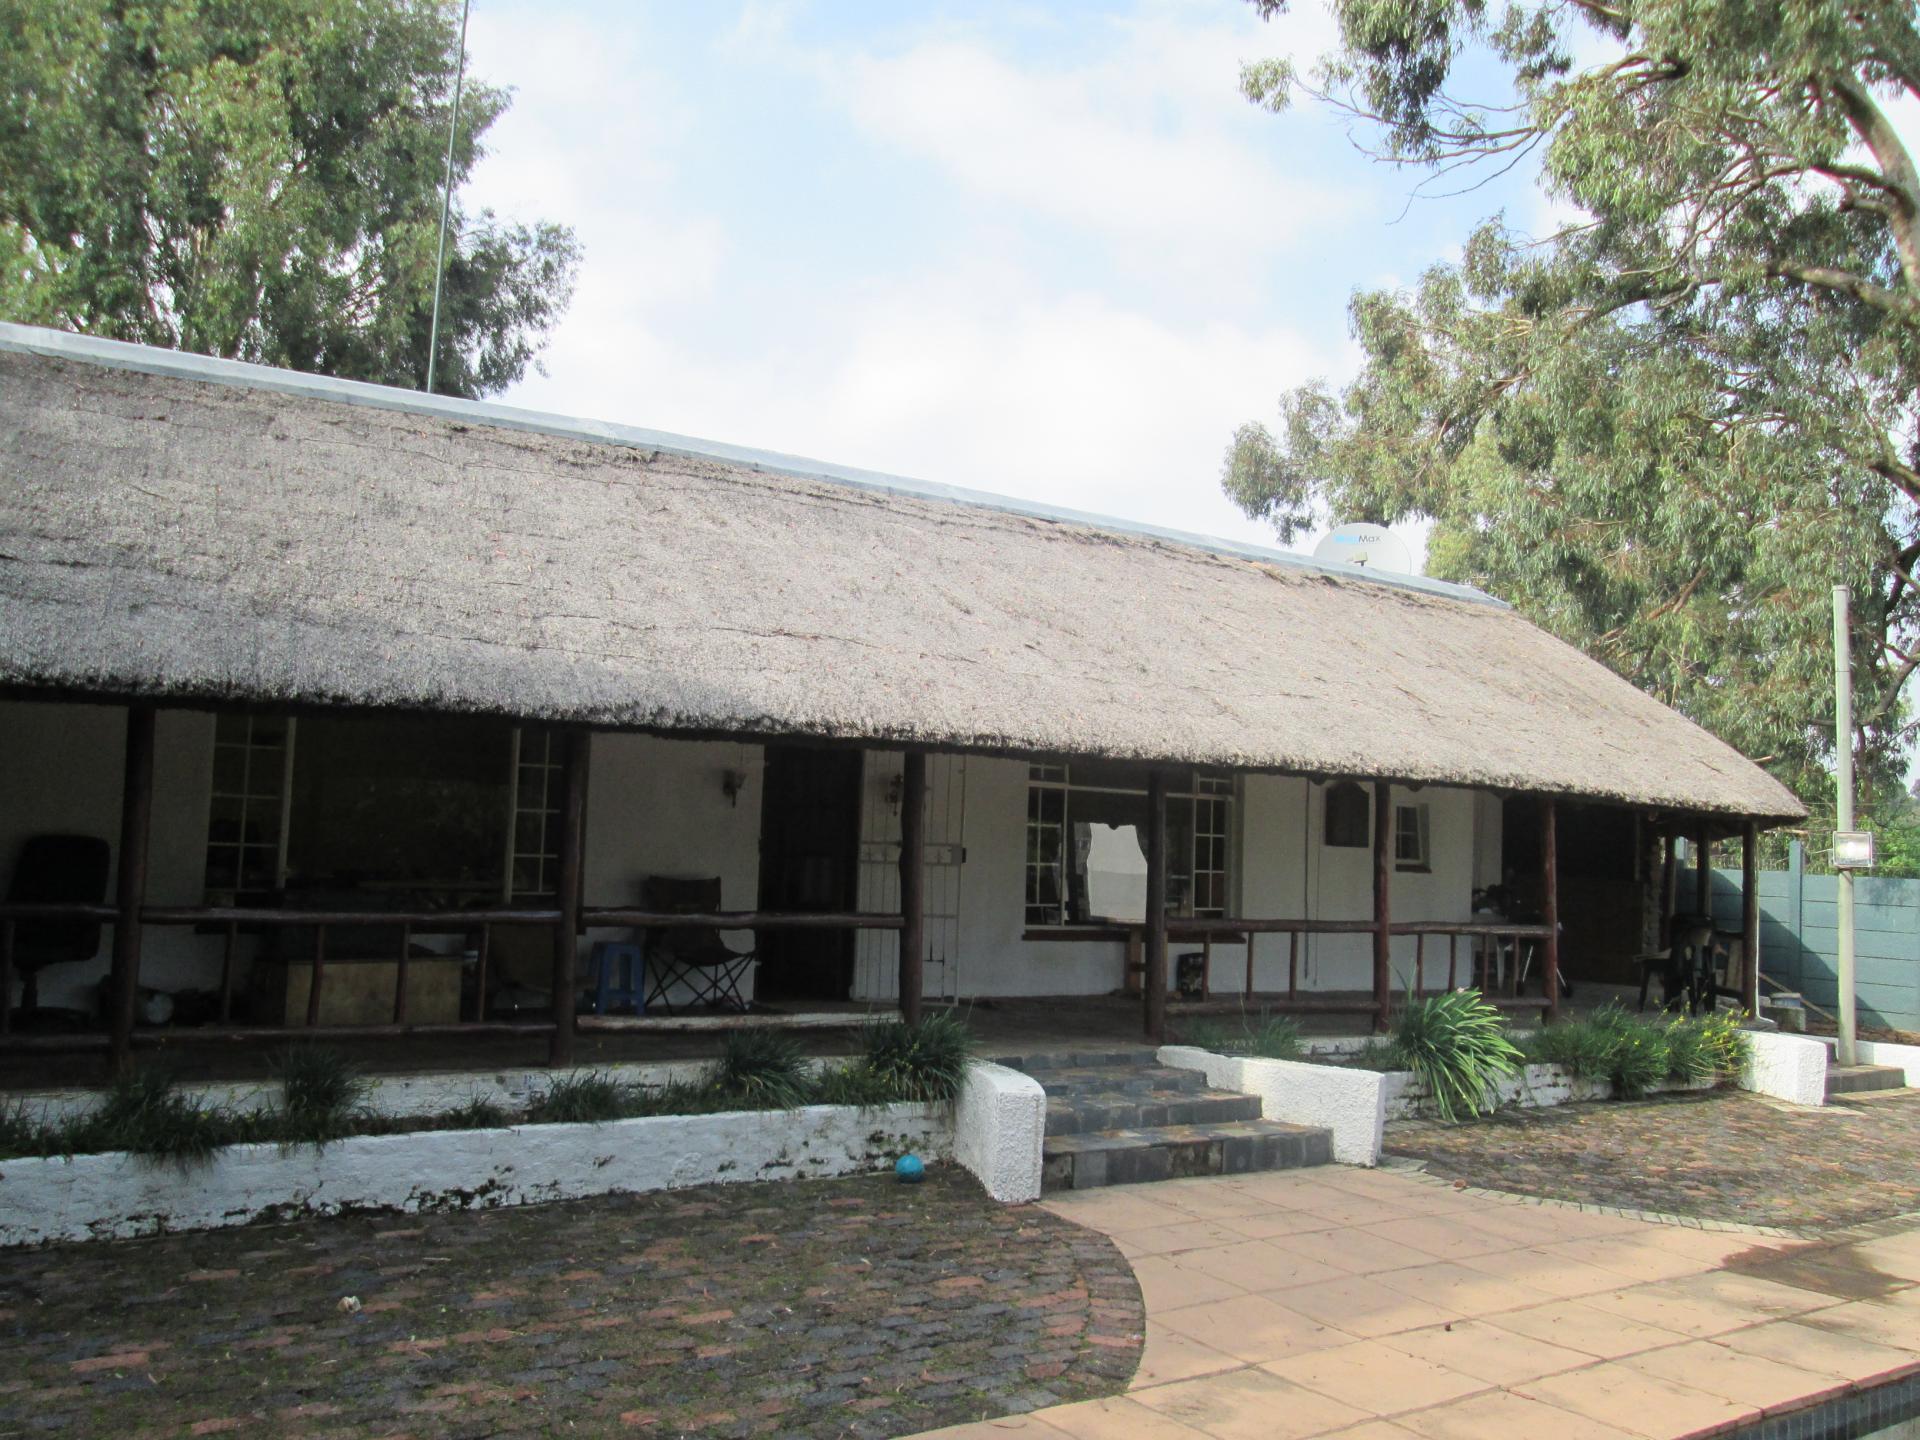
1852	1079
1120	1080
1084	1113
1167	1152
1129	1056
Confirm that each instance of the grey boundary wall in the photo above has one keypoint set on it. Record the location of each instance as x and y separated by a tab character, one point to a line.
1800	937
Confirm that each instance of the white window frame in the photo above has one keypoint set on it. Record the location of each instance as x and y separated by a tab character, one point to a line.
1213	791
1420	832
248	795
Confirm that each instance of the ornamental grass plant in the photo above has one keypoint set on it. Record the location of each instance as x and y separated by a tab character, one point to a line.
1457	1044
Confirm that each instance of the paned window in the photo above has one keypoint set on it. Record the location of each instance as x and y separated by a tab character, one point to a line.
247	822
538	787
1087	843
1410	837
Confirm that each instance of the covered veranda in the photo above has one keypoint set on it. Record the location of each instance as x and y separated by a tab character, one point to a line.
191	537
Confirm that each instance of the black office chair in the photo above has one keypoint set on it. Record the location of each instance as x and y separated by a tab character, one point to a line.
56	870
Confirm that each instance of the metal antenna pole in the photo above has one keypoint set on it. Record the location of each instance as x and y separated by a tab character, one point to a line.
1843	809
446	197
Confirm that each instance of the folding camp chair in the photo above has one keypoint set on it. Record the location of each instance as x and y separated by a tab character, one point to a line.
693	954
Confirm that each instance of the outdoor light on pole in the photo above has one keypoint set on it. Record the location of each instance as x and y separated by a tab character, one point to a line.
1843	812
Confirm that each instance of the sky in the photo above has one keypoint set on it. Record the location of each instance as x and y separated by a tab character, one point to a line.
1040	250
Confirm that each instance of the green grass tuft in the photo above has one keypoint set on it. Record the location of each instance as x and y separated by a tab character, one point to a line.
582	1098
145	1114
925	1062
321	1094
761	1070
1260	1033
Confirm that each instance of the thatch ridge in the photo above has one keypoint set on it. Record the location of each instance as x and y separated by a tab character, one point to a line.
213	542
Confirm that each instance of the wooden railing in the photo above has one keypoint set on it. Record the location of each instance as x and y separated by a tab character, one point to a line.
1489	934
231	922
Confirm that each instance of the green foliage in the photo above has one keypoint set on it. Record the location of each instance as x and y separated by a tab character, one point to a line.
1637	1054
761	1069
476	1113
1732	1047
1457	1044
1663	435
144	1114
1691	1059
925	1062
261	180
582	1098
321	1094
1642	1058
851	1083
1262	1033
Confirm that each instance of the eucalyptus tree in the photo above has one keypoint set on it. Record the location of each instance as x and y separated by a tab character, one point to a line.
1665	431
260	179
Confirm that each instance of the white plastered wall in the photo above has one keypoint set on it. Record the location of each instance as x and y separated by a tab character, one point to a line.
1281	869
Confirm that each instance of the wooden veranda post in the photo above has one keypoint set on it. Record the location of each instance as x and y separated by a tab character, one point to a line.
1750	918
913	886
1155	982
1550	904
566	931
136	817
1703	872
1382	903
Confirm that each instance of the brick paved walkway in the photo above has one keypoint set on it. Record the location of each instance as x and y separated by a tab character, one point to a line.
1722	1156
854	1307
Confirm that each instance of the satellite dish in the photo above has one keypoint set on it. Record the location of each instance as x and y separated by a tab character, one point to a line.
1372	547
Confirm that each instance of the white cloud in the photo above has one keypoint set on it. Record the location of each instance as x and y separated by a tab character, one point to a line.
1146	147
983	367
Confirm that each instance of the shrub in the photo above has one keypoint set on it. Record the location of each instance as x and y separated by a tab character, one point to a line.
1457	1043
761	1070
145	1114
1641	1059
924	1062
1731	1046
1690	1053
1582	1046
582	1098
320	1094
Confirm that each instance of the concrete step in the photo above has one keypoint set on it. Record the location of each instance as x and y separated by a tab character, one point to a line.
1131	1057
1090	1111
1167	1152
1120	1080
1852	1079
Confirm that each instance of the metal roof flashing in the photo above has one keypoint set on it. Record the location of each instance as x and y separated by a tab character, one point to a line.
152	360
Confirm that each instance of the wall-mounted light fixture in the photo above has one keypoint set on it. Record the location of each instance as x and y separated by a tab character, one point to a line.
896	792
732	782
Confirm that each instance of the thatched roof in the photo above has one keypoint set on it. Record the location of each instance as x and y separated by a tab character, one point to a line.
175	527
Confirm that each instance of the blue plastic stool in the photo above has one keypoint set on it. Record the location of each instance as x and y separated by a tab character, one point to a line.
631	986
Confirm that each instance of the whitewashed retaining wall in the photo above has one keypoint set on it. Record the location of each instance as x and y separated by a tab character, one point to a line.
118	1195
1787	1067
1882	1052
994	1130
1000	1123
1349	1102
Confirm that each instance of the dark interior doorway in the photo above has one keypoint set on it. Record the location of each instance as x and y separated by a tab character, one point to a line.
809	863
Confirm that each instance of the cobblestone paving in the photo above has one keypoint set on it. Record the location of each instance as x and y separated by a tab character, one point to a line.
1720	1156
845	1308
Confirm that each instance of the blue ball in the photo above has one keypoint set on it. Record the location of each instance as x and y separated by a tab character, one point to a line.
909	1170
